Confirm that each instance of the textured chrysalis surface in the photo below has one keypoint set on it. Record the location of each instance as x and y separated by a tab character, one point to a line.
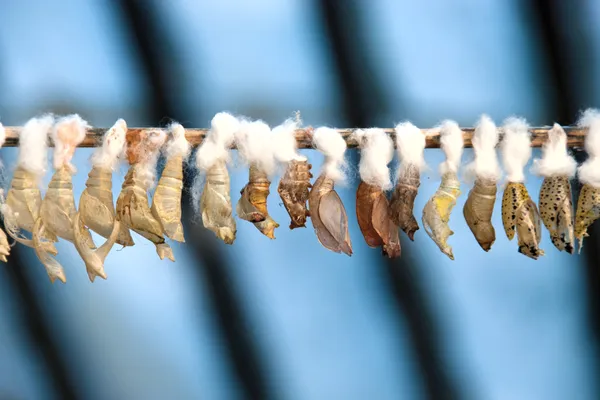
294	189
329	217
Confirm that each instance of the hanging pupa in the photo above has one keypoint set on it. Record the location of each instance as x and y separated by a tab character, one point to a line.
166	202
22	206
295	183
96	204
211	159
436	213
555	203
410	144
479	206
327	211
132	208
372	207
254	142
518	210
57	210
588	205
96	207
4	246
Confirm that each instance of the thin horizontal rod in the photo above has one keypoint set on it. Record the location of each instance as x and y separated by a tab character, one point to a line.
575	136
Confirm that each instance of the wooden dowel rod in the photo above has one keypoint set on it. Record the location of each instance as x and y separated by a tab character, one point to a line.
575	136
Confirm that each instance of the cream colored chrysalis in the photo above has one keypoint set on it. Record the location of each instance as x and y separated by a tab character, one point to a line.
132	209
57	210
96	205
518	210
436	213
22	206
214	200
479	206
166	202
4	246
588	205
556	204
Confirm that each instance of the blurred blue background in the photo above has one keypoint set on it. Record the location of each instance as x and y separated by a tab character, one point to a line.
288	319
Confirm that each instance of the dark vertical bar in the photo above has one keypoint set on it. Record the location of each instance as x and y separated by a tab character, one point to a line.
153	46
37	325
364	101
568	60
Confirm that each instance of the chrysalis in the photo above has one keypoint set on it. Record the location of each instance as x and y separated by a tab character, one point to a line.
4	246
254	144
479	206
372	207
132	205
518	210
436	212
23	200
211	159
294	190
166	203
588	205
556	205
57	210
295	183
327	212
410	143
96	204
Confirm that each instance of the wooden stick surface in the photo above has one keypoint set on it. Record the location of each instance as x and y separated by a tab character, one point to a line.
575	136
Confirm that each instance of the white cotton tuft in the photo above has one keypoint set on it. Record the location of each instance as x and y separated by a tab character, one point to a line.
376	152
147	166
255	146
451	142
284	142
67	134
516	148
555	160
113	146
2	135
329	142
485	139
33	145
410	145
178	145
589	171
218	141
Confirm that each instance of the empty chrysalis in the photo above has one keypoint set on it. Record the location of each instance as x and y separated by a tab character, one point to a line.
57	210
256	149
96	205
166	202
327	211
22	205
295	183
211	159
133	209
372	206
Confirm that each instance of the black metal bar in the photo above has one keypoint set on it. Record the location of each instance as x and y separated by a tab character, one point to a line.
154	47
37	325
364	100
567	57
